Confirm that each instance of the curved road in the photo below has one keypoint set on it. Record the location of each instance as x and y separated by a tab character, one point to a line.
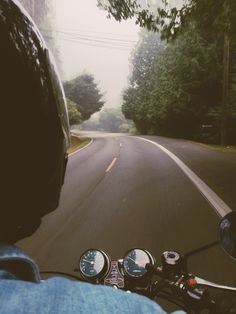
122	192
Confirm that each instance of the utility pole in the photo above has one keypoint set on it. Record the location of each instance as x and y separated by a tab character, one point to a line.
225	81
225	89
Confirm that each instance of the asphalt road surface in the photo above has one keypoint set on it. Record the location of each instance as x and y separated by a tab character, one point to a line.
122	192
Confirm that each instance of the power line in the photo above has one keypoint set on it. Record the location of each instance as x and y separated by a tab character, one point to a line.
91	44
89	40
118	43
96	37
99	41
78	31
103	40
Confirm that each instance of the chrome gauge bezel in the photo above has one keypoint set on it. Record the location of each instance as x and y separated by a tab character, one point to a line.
136	275
105	267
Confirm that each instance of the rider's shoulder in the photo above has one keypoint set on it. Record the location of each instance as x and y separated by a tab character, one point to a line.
59	295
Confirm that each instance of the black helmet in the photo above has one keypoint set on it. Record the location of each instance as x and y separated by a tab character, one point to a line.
34	133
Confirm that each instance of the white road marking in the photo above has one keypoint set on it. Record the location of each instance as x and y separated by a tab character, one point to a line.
121	145
215	201
111	164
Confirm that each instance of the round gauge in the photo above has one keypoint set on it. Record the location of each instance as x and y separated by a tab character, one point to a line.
135	262
94	264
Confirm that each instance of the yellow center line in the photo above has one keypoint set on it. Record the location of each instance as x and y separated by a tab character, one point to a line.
111	164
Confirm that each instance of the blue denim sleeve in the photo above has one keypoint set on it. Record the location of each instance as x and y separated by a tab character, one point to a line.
62	296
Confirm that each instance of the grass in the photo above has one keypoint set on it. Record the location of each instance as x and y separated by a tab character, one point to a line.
231	149
77	143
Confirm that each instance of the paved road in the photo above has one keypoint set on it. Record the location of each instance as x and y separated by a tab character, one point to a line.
122	192
216	168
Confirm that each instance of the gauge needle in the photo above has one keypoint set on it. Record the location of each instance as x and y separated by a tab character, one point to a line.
90	262
132	259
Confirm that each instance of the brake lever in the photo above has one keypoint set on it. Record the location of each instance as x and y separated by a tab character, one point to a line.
201	281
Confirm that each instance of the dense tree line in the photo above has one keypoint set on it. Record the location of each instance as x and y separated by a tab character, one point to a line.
109	120
175	89
186	85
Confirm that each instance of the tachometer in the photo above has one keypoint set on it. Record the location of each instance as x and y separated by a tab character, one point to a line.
135	262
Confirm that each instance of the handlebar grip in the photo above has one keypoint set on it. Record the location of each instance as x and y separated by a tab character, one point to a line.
200	298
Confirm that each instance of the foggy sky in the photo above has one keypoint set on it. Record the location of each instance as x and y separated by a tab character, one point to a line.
82	30
82	22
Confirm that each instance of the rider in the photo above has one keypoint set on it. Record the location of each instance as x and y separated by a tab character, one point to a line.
34	141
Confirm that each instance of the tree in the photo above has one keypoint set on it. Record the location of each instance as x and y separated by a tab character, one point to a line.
171	20
74	114
137	97
188	84
215	22
110	120
126	9
84	91
174	88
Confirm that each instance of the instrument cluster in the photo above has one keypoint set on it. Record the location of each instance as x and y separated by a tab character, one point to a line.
96	266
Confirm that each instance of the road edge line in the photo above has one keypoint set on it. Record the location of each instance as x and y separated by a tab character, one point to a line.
214	200
78	150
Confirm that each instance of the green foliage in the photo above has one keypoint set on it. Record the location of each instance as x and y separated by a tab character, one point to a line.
74	114
119	9
219	15
109	120
112	120
183	89
126	9
173	89
84	91
137	97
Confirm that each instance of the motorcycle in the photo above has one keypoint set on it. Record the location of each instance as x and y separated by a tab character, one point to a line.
138	272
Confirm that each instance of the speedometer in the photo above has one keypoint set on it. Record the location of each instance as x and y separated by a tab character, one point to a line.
94	264
135	262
